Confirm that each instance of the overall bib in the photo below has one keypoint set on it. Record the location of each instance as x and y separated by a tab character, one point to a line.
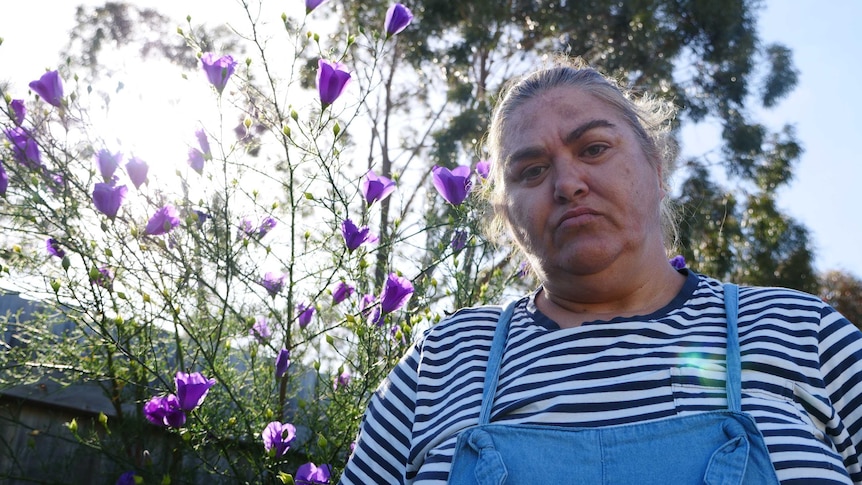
713	448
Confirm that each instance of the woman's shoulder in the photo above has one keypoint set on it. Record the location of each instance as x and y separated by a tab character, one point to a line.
470	320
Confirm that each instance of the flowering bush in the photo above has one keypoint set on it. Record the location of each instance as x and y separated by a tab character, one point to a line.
219	273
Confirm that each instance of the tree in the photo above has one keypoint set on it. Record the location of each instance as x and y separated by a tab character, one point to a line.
844	292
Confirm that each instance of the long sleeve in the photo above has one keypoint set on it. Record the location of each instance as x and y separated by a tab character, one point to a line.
841	366
383	445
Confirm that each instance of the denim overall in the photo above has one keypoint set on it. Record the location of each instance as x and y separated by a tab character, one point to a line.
719	447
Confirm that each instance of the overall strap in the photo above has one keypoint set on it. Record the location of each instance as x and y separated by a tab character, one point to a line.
492	372
734	365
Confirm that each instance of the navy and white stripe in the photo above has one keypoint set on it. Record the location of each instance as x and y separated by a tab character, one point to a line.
801	381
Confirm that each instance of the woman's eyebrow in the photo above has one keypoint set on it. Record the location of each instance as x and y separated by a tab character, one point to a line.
537	151
585	127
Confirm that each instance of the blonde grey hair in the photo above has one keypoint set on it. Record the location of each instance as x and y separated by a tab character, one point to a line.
649	117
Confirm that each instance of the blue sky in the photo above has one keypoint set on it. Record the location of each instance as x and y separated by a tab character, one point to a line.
826	107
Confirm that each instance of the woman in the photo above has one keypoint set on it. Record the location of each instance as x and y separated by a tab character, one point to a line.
619	368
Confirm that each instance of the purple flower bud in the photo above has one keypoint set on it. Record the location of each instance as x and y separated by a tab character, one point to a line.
332	77
483	168
282	362
196	160
678	262
260	330
376	187
396	293
204	143
53	248
19	110
273	283
127	478
108	163
49	88
311	5
218	70
310	474
4	181
192	389
523	269
165	411
343	379
163	221
137	170
355	237
278	436
305	313
398	17
108	198
24	147
103	277
459	240
453	185
341	292
202	217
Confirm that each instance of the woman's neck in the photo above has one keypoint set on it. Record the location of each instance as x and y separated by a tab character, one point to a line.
575	299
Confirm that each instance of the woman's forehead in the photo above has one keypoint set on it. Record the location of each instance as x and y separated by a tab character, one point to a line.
556	112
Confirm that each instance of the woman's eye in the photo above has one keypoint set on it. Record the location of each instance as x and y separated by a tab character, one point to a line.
532	172
595	150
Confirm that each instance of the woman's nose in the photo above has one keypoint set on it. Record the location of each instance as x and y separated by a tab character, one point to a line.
569	181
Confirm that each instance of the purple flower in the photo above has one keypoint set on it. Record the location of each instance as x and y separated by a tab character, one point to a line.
398	17
282	362
355	237
49	88
196	160
266	225
245	227
192	389
678	262
137	170
163	221
278	436
331	79
459	240
396	293
341	292
218	70
273	283
103	277
452	185
108	198
24	147
4	181
127	478
53	248
260	330
311	5
483	168
19	109
376	187
165	411
342	380
108	163
305	314
310	474
204	143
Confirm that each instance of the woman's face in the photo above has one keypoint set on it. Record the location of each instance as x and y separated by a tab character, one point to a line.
579	193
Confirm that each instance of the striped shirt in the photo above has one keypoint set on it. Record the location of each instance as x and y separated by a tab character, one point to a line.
801	381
